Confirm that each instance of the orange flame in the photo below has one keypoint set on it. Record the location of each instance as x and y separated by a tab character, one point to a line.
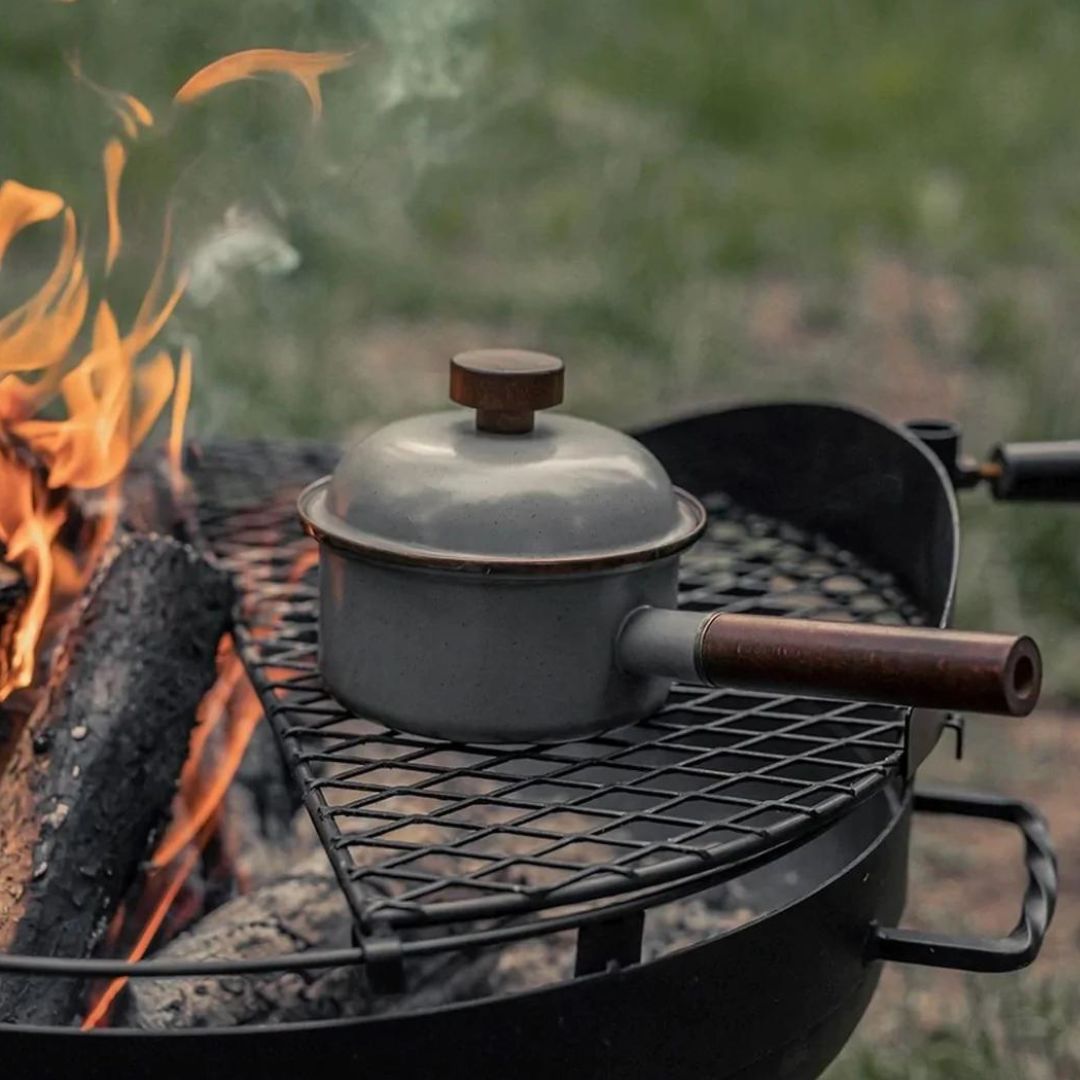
232	704
170	887
38	334
111	396
305	68
111	402
21	206
127	108
111	399
114	161
181	404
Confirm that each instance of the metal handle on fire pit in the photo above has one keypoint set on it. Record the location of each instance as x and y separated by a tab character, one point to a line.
976	953
1036	471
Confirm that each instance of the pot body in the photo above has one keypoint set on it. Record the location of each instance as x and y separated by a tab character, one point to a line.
482	658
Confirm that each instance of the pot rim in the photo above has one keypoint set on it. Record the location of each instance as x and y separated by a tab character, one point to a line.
328	529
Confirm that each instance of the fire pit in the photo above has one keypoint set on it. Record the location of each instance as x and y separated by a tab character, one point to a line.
709	892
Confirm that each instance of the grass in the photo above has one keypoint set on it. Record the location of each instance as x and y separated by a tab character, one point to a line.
1018	1028
694	201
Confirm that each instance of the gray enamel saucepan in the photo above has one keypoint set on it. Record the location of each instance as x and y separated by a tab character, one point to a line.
501	577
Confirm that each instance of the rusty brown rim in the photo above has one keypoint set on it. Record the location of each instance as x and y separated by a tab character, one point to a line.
313	515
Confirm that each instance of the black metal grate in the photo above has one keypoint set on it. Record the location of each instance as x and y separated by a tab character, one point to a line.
421	831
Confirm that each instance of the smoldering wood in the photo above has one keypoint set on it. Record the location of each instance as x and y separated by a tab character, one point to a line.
93	772
263	850
304	910
272	795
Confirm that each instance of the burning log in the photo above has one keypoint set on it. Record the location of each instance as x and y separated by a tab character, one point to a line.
93	773
303	910
13	593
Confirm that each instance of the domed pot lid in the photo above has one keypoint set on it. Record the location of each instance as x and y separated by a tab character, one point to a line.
502	490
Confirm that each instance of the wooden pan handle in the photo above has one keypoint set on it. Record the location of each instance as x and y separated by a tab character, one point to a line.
893	665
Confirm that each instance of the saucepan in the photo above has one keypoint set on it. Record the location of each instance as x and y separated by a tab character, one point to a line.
500	576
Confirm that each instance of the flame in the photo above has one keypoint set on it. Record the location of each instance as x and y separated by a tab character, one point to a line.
232	704
38	334
111	398
181	404
170	888
127	108
305	68
115	159
21	206
77	397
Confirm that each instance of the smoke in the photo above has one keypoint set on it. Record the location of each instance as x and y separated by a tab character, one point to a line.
431	55
244	242
294	236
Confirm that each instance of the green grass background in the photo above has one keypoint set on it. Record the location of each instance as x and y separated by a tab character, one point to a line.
694	201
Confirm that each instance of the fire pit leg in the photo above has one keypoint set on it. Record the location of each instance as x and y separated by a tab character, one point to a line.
384	962
609	945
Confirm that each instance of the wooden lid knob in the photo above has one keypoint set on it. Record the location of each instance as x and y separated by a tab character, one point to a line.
506	386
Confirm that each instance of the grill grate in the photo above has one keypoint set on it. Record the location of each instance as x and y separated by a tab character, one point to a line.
421	831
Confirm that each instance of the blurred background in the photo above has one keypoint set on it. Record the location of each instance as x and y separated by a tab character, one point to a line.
695	202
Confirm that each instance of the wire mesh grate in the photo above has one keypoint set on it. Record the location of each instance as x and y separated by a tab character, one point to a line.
423	831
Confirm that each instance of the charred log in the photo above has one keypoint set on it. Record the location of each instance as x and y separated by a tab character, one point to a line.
91	778
304	910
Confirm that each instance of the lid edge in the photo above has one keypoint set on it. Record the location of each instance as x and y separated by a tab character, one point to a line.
328	529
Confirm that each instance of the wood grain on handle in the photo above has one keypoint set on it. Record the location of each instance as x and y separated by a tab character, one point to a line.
896	665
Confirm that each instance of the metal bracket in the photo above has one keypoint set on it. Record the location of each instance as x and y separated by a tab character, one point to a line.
609	945
384	961
923	729
956	723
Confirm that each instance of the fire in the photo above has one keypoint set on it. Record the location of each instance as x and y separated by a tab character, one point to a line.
114	161
111	398
182	401
127	108
21	206
78	395
112	393
305	68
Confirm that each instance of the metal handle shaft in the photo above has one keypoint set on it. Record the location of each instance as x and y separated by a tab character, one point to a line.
1037	471
928	668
